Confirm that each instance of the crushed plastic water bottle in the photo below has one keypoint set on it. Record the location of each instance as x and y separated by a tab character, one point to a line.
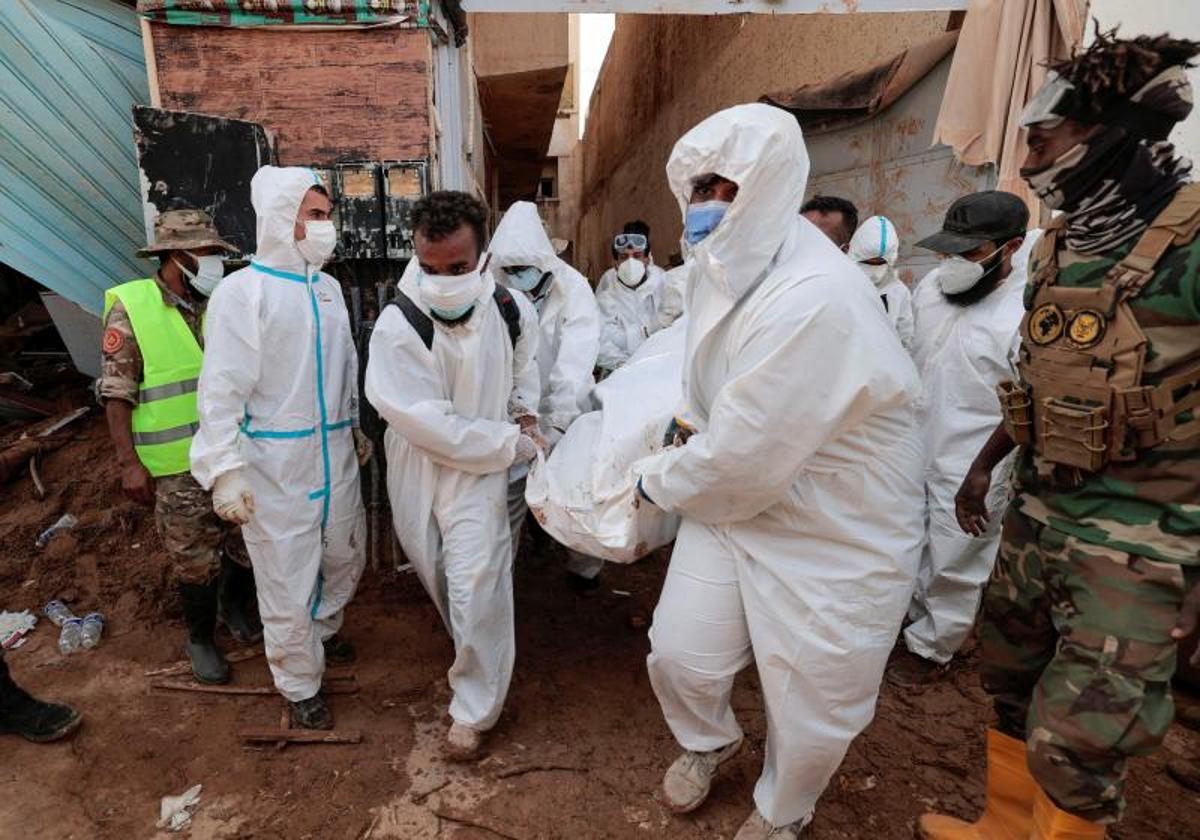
65	522
71	637
58	612
93	627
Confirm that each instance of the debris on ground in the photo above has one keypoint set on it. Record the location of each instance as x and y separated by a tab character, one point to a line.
14	626
176	811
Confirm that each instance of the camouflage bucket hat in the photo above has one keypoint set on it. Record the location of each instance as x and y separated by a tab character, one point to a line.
185	230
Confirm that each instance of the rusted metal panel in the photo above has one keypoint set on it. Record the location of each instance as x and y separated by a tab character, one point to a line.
196	160
889	166
403	184
715	7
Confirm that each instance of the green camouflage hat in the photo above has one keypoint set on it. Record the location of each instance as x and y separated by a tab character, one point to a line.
184	230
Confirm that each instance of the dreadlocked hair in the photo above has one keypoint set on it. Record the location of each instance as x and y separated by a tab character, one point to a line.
1111	69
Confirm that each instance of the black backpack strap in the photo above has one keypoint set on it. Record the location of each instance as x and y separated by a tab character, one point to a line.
420	322
509	311
886	308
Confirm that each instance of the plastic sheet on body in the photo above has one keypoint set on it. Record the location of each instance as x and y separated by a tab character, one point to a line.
584	494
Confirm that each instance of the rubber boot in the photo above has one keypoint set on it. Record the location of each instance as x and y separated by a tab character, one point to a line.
235	589
1052	823
33	720
200	612
1008	814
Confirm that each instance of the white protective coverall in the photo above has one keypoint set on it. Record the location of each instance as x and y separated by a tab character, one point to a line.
450	440
674	292
278	399
877	237
627	316
567	348
799	491
962	353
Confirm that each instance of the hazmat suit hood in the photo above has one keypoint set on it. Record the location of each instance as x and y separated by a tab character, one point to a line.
876	238
761	149
520	239
276	193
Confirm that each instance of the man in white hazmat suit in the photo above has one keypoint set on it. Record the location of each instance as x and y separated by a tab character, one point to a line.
875	246
522	258
968	314
797	485
629	297
452	370
278	405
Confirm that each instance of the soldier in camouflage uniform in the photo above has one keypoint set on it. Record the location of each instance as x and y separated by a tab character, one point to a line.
209	558
1096	576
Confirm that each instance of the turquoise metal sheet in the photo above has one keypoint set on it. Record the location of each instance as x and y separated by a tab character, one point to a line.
71	212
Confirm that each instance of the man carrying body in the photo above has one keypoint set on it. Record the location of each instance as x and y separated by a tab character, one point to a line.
797	488
151	355
278	404
835	217
452	370
968	311
629	297
1096	580
522	258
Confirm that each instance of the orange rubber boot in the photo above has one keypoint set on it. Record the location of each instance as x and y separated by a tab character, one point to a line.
1051	823
1008	814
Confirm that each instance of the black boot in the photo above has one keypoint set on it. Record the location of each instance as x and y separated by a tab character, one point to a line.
32	719
338	651
200	612
312	713
236	588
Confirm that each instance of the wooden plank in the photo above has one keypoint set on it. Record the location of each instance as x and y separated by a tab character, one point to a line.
179	669
151	63
299	736
337	687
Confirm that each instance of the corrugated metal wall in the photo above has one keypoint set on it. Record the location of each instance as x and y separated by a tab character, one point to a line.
70	212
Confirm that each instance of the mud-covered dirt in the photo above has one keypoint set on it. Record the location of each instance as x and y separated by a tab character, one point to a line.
578	753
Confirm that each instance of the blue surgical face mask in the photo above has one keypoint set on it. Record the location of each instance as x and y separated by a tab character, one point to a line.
702	219
454	313
527	279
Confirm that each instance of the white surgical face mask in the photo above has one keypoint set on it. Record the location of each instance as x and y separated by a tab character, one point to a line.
527	279
320	238
878	273
451	296
958	274
631	272
210	268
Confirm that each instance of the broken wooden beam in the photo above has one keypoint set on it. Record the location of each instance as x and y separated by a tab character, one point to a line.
185	667
343	686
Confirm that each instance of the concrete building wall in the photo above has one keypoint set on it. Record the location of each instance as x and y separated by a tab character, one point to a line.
664	74
517	43
331	95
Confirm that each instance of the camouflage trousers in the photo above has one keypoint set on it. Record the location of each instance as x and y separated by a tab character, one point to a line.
194	536
1078	656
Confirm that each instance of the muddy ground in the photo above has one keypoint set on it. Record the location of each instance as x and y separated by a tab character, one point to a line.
578	753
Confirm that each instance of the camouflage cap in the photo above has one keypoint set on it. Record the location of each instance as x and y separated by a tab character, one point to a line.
185	230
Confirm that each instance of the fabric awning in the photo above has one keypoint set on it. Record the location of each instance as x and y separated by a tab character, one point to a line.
998	66
859	95
283	12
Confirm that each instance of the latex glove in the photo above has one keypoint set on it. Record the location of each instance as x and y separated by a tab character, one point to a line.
527	449
364	448
232	499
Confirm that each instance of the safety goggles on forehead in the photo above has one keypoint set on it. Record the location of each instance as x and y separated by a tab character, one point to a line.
1042	110
630	242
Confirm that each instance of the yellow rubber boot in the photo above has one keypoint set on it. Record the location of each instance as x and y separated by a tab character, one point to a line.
1008	814
1051	823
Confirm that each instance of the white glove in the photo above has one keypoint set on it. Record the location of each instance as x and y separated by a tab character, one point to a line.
527	450
364	448
232	499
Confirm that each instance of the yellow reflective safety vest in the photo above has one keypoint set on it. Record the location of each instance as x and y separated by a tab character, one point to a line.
166	417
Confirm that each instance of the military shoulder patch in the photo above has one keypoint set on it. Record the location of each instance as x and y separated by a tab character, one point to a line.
1046	323
113	341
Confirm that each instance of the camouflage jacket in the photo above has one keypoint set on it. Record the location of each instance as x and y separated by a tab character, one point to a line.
1151	506
120	356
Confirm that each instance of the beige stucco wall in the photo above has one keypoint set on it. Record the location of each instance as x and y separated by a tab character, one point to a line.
515	43
664	74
